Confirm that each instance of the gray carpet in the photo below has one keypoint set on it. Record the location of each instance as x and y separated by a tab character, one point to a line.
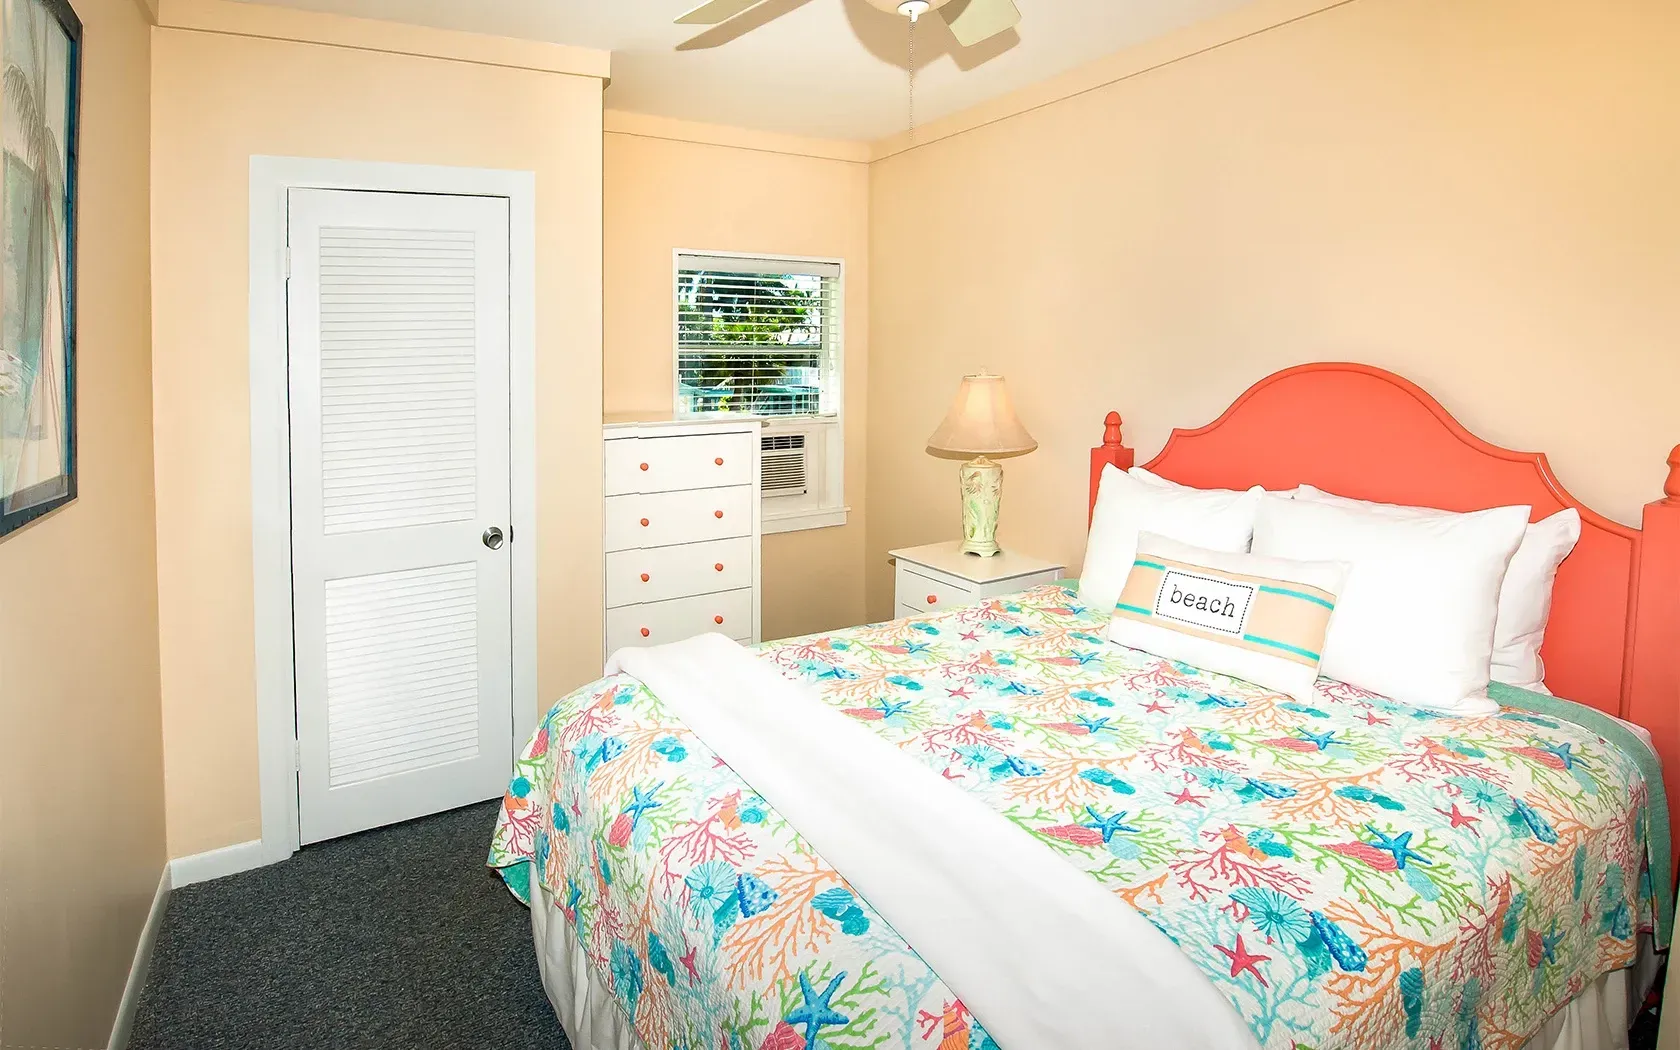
398	937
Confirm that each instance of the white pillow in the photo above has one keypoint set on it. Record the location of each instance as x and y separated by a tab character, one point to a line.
1525	601
1415	620
1158	480
1218	520
1259	619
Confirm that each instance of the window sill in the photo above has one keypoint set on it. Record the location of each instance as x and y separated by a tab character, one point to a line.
798	521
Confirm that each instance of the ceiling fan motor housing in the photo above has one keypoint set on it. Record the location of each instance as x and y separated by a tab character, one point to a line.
970	21
900	7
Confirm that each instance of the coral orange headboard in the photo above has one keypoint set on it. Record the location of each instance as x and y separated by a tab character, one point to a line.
1613	640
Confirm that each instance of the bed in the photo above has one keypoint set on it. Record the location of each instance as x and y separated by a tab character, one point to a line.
1344	872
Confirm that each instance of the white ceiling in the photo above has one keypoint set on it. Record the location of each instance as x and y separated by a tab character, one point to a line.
826	68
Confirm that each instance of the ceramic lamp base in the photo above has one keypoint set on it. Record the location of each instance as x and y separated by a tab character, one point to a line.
982	496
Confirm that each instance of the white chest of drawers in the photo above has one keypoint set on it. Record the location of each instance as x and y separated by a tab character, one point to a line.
682	530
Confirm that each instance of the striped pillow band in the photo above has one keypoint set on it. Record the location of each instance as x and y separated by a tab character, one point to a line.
1280	618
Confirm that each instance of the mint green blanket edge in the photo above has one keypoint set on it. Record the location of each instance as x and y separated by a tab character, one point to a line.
517	878
1659	841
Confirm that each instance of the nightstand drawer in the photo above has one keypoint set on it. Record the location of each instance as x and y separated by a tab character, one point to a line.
939	576
925	594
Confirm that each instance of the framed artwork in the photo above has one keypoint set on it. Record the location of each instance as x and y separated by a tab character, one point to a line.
40	45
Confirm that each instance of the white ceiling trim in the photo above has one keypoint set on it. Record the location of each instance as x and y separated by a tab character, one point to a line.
1189	42
365	34
646	125
246	18
1197	39
827	69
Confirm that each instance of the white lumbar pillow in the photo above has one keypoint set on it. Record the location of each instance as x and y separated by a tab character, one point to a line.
1216	519
1525	601
1251	617
1415	621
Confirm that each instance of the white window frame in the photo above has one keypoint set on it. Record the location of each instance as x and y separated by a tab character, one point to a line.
790	513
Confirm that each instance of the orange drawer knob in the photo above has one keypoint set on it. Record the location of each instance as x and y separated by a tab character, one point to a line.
644	466
932	598
718	566
646	632
718	461
717	513
717	619
644	523
644	577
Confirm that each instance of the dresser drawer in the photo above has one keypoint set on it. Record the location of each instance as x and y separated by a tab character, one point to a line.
667	464
621	466
659	519
655	623
924	594
655	574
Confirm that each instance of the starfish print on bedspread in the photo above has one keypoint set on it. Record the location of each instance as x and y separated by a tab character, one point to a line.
815	1013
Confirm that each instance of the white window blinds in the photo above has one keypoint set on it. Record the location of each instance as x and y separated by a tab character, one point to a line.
760	336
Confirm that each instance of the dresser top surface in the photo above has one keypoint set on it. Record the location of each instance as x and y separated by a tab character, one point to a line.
655	420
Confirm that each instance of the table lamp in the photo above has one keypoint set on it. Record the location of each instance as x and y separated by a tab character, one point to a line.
982	423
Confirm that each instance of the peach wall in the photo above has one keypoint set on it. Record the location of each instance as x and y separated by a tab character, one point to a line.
742	192
1479	196
81	764
219	98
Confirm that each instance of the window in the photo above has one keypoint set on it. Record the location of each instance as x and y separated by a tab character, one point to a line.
759	336
762	335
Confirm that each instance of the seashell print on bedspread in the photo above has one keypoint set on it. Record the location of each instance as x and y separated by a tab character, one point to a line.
1349	872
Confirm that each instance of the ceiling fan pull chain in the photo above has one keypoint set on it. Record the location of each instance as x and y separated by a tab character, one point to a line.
912	79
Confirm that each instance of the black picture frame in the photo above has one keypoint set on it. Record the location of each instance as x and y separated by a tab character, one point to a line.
19	508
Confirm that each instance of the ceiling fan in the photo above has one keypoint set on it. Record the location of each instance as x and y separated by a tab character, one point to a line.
971	21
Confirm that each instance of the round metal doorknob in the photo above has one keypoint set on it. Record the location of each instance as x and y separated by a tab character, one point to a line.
493	538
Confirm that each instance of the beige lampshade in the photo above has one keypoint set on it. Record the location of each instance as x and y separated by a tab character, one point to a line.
982	422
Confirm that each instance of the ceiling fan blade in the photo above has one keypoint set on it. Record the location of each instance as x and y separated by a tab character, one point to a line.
714	11
979	20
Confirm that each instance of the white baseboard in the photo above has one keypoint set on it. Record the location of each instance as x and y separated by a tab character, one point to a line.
229	860
142	965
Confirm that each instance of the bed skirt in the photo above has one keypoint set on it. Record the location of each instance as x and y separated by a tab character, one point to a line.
1597	1019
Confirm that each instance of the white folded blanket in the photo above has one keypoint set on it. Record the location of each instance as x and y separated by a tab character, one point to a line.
1043	955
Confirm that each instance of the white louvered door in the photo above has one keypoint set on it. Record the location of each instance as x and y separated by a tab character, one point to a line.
397	311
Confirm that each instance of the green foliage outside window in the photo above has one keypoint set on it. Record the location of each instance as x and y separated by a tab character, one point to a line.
750	343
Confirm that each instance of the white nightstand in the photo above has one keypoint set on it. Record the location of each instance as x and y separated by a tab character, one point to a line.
939	576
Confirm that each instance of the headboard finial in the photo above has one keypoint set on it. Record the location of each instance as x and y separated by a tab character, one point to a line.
1111	431
1671	487
1111	453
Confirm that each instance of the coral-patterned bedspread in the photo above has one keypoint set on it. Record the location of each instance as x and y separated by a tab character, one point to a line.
1349	873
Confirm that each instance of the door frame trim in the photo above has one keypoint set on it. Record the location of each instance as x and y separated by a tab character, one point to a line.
271	549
